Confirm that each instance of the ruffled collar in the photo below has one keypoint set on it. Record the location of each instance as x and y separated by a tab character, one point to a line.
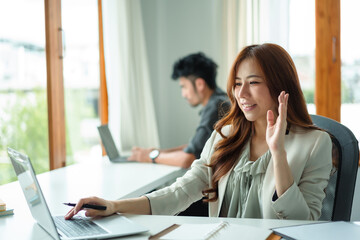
253	167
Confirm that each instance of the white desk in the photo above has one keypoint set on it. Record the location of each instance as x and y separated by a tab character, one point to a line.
158	223
97	178
107	180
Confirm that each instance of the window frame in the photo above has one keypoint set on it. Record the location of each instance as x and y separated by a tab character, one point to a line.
55	84
328	59
103	102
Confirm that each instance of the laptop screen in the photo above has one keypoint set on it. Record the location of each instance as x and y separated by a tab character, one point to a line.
108	142
32	191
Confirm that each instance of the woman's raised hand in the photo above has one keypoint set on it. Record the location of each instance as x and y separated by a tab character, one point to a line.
276	128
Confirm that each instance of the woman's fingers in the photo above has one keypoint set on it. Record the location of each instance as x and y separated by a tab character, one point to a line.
270	118
70	214
81	202
283	102
94	213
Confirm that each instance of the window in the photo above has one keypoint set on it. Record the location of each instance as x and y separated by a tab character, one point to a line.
350	66
291	24
23	78
302	46
81	79
23	101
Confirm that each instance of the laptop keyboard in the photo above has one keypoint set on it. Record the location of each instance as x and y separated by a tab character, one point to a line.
78	227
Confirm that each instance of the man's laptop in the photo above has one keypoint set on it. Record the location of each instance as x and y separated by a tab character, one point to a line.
57	226
109	145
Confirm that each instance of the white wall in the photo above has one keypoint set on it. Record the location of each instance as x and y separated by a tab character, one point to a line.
174	29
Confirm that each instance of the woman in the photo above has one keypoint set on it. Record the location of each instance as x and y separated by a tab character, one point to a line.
265	159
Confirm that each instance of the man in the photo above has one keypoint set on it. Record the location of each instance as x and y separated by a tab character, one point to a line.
196	74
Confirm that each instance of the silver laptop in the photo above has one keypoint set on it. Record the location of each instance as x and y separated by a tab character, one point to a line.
57	226
109	145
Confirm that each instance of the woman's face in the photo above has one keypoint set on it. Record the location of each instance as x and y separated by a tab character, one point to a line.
251	92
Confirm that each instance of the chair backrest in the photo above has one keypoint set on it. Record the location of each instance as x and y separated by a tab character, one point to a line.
337	204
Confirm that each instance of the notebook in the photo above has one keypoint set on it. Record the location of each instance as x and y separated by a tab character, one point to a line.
56	226
109	144
320	230
207	231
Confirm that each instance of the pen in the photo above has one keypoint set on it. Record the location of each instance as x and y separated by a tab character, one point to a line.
97	207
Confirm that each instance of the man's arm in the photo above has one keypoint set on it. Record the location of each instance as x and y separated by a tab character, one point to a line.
181	147
175	157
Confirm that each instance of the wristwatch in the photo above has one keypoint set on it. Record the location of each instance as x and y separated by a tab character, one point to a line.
154	154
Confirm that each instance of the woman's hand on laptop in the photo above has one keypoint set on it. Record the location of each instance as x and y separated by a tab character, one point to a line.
140	205
110	209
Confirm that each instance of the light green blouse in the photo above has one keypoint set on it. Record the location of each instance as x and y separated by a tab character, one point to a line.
242	195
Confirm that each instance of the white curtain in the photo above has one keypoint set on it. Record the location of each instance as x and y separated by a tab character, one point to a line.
132	117
274	22
241	21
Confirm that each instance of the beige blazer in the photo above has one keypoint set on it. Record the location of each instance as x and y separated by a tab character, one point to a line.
309	158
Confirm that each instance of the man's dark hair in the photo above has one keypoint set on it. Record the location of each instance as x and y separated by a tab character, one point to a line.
194	66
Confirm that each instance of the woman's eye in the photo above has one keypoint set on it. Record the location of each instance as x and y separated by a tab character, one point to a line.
254	82
238	84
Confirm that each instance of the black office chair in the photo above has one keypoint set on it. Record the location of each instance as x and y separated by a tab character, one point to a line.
337	204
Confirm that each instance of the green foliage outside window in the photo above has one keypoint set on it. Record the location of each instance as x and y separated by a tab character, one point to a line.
347	94
309	95
80	104
24	127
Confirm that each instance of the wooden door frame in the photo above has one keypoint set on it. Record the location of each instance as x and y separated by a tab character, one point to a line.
328	59
55	84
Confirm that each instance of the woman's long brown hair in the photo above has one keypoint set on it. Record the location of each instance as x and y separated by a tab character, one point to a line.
280	75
